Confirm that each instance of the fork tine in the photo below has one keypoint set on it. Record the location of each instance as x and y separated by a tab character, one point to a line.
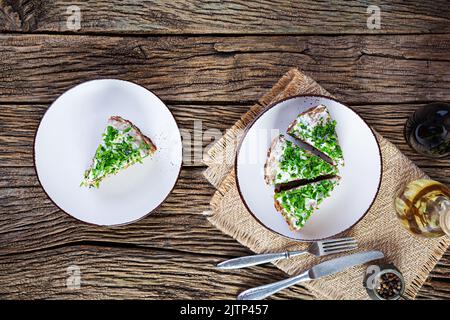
341	249
329	241
331	245
338	251
341	246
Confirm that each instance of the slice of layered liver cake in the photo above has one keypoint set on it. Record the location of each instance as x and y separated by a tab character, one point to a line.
288	163
316	128
297	204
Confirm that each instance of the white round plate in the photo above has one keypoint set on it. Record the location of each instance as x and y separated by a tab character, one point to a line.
69	134
360	176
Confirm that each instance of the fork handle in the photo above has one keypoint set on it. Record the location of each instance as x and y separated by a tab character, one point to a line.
262	292
254	260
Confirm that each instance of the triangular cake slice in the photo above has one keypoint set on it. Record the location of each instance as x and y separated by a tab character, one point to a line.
123	145
287	163
297	204
316	128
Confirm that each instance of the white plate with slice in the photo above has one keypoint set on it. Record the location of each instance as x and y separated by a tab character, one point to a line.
360	176
69	134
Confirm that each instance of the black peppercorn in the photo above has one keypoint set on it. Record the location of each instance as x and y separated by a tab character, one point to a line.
388	286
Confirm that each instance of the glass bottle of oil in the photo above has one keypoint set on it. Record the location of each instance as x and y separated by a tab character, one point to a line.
424	208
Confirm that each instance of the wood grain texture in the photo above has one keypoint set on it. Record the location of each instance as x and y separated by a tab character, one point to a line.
357	69
128	273
30	221
27	281
18	124
201	58
199	124
175	226
230	17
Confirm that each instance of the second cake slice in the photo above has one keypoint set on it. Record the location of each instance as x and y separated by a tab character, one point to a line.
297	204
287	163
316	128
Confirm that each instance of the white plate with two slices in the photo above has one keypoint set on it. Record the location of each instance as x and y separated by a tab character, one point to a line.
68	136
360	176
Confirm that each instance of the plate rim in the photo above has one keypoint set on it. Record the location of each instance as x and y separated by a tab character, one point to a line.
87	222
250	125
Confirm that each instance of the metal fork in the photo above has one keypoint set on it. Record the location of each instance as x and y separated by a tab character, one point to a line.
319	249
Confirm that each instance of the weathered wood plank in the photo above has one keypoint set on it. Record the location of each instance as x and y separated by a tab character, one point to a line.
231	17
26	211
127	273
389	121
438	283
19	122
357	69
30	221
149	259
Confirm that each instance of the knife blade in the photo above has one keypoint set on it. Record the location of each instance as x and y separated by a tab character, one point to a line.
320	270
336	265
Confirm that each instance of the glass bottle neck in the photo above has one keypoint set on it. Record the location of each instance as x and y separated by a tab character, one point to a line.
444	215
444	222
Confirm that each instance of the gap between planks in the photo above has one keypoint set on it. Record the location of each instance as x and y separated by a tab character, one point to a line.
215	34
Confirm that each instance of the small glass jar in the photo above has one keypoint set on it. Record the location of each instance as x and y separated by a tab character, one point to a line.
384	282
424	208
428	130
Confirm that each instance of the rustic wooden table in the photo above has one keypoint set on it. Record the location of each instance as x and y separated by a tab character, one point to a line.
208	60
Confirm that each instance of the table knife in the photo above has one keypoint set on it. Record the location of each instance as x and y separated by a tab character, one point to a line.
320	270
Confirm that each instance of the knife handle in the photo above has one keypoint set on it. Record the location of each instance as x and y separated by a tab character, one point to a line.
254	260
262	292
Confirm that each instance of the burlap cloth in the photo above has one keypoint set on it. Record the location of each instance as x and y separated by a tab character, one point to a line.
379	229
